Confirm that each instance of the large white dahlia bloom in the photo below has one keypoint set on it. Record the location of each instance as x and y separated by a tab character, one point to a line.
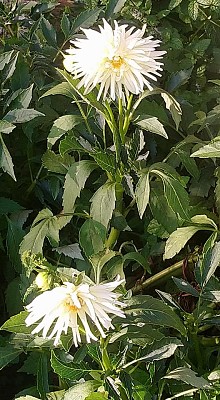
116	59
69	306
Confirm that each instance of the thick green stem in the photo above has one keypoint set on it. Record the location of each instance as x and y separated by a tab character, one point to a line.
162	276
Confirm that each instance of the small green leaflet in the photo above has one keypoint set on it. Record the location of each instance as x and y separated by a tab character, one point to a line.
151	124
92	237
7	354
209	150
6	162
75	180
188	376
21	115
81	390
103	203
142	193
61	126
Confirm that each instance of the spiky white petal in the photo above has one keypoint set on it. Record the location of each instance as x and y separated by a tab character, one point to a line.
69	305
118	59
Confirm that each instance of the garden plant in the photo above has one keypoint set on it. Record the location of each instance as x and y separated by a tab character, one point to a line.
110	199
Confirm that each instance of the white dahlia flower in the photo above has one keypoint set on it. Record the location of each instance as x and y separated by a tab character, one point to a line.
116	59
70	305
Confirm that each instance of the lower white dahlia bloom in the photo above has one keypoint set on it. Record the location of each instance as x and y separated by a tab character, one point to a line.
69	305
114	58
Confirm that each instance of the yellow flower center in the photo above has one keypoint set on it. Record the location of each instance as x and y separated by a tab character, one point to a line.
71	307
117	62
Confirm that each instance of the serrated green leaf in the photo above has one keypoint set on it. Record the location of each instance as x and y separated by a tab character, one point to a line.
142	193
114	7
65	25
22	115
85	20
217	189
73	372
70	143
9	206
178	239
55	162
105	160
63	88
44	225
5	59
151	124
6	127
74	182
6	162
161	210
92	237
21	98
209	150
176	195
149	310
16	324
189	163
61	126
81	390
193	9
103	203
90	98
159	350
10	68
14	237
188	376
174	3
7	354
49	32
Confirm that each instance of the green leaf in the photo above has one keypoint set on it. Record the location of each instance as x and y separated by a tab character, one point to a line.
63	88
81	390
7	354
49	32
9	206
176	195
61	126
161	210
217	189
73	372
159	350
142	193
90	98
6	127
209	150
188	376
149	310
45	225
92	237
173	106
6	162
105	160
151	124
189	163
65	25
207	264
14	237
75	181
213	263
96	396
10	67
21	115
185	287
70	143
21	98
136	256
114	7
85	20
174	3
193	9
5	59
103	203
55	162
16	324
178	239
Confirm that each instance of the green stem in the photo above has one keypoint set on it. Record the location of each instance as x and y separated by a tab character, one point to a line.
161	276
128	116
114	233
